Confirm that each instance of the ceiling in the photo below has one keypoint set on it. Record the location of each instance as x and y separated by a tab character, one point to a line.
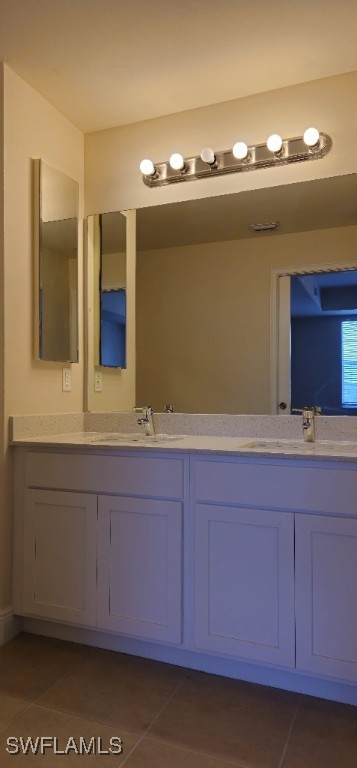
104	63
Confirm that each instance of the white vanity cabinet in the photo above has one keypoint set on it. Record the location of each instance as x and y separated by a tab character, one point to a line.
236	565
59	556
244	583
140	567
110	559
243	568
326	595
251	586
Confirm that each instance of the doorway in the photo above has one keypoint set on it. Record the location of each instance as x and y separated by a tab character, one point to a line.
314	340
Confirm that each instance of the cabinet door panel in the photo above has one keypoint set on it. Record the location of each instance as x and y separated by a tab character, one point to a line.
139	567
326	595
60	556
244	582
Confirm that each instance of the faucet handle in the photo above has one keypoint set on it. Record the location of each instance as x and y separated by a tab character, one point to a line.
313	409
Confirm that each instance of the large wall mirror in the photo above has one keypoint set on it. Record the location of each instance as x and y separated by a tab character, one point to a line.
204	294
56	201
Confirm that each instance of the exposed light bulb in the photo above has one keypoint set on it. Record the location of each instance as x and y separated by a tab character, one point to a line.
274	143
311	137
208	156
177	162
147	167
240	150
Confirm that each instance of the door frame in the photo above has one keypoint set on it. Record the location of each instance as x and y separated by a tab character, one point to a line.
279	314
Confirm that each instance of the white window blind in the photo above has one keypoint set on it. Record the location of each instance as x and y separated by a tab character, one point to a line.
349	363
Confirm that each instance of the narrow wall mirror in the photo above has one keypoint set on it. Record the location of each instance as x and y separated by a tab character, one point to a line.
112	290
110	317
56	201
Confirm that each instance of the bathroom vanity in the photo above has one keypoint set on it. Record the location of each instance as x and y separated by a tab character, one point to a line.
238	561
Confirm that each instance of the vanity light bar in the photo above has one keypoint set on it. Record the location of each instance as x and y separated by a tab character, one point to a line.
276	151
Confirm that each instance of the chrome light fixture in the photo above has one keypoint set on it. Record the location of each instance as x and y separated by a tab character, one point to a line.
242	157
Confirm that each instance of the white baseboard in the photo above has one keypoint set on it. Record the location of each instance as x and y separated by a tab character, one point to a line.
10	625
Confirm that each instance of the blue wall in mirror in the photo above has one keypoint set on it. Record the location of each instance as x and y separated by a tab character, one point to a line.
113	328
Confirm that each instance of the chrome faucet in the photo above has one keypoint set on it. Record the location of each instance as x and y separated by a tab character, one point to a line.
308	421
146	419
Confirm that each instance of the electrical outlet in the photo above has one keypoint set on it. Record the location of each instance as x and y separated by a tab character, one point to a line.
98	381
66	379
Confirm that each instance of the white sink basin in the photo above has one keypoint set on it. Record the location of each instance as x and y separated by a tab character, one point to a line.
134	437
299	446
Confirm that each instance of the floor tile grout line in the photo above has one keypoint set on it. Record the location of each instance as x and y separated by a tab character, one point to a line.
84	717
146	734
34	701
225	760
20	712
179	685
59	680
288	737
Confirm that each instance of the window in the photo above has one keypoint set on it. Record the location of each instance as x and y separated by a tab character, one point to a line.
349	363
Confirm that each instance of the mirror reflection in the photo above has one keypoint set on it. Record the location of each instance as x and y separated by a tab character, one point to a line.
56	265
204	286
204	296
324	342
112	343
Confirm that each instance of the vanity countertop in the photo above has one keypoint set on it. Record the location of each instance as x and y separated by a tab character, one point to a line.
321	450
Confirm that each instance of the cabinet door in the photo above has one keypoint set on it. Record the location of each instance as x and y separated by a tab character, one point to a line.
140	567
244	583
326	595
60	556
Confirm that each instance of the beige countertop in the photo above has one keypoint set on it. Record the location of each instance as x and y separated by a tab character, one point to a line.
322	450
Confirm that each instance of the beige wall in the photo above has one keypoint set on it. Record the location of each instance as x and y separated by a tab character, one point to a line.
203	318
33	129
112	157
4	521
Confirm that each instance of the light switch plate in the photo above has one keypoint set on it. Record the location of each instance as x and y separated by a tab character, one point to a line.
66	379
98	381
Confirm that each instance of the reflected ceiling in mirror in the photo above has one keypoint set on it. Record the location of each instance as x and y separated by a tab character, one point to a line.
300	207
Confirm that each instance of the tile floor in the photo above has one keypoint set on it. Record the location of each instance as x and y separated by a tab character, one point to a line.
167	717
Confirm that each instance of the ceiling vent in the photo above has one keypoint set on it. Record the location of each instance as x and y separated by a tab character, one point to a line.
265	227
